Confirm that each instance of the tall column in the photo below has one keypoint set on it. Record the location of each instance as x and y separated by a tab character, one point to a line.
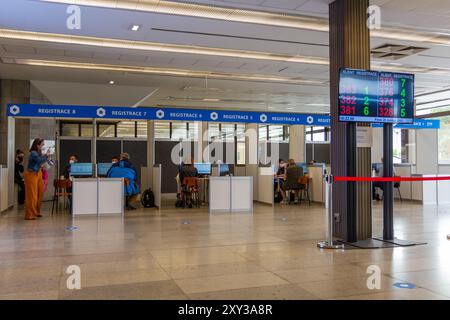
297	143
251	155
13	91
349	48
150	152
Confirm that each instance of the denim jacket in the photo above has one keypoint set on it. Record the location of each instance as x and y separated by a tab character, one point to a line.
35	161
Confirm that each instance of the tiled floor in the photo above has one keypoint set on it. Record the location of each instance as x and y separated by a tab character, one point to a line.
270	254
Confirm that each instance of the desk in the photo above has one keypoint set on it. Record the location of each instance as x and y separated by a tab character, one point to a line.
230	194
97	196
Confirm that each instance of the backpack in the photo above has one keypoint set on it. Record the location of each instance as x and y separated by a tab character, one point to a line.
278	197
148	199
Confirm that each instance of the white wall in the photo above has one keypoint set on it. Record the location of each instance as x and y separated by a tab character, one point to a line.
377	145
426	151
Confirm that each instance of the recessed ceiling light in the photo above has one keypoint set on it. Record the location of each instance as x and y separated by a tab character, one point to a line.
111	82
135	27
211	100
289	108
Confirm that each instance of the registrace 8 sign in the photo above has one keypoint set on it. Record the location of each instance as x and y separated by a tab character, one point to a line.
372	96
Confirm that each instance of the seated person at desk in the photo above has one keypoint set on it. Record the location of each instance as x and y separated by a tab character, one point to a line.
72	159
293	172
115	159
378	184
279	175
125	169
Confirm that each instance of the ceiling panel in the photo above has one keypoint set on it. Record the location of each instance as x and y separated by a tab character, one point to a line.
19	49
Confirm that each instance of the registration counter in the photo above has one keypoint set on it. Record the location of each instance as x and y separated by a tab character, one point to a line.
230	194
97	196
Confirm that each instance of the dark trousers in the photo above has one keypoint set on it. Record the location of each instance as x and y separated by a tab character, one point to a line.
376	184
21	192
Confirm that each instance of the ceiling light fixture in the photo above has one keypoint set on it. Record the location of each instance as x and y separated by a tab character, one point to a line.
252	16
211	100
155	46
169	72
111	82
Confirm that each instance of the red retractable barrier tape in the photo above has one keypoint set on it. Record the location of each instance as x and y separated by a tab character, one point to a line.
393	179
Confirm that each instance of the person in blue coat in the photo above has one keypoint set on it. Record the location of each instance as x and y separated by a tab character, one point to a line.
125	169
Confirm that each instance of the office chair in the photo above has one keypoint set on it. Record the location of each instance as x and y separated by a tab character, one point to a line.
293	174
190	192
304	189
61	187
397	186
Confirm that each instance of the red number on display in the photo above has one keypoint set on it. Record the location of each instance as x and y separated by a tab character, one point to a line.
348	110
386	112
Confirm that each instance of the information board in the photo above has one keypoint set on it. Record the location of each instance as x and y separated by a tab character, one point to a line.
372	96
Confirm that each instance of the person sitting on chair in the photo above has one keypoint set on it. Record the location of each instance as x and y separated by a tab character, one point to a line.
125	169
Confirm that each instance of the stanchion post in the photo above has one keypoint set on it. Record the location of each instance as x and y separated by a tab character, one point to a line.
329	244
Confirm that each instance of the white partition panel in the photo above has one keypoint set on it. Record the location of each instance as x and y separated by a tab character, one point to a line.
242	194
265	185
219	194
4	178
84	197
405	186
156	184
443	190
316	187
110	195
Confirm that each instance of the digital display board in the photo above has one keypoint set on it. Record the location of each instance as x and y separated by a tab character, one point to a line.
372	96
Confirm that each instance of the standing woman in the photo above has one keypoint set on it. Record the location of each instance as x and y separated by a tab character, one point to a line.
34	184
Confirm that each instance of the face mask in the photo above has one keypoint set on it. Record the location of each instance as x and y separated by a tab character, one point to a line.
72	161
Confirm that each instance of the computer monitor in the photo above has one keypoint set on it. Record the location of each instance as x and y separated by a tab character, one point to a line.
224	169
303	165
81	169
203	168
102	169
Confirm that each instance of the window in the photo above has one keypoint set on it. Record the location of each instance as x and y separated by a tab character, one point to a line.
106	130
317	134
444	140
179	131
397	145
162	130
192	131
213	131
240	132
126	129
273	132
263	133
227	131
141	129
276	133
240	153
70	129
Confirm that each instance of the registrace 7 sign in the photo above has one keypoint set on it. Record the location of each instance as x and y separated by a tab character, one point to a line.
372	96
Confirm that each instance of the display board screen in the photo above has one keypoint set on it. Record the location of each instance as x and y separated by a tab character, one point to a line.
81	169
372	96
203	168
102	168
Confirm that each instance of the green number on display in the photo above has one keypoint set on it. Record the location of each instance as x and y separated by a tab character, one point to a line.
403	82
366	111
402	113
402	103
403	93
